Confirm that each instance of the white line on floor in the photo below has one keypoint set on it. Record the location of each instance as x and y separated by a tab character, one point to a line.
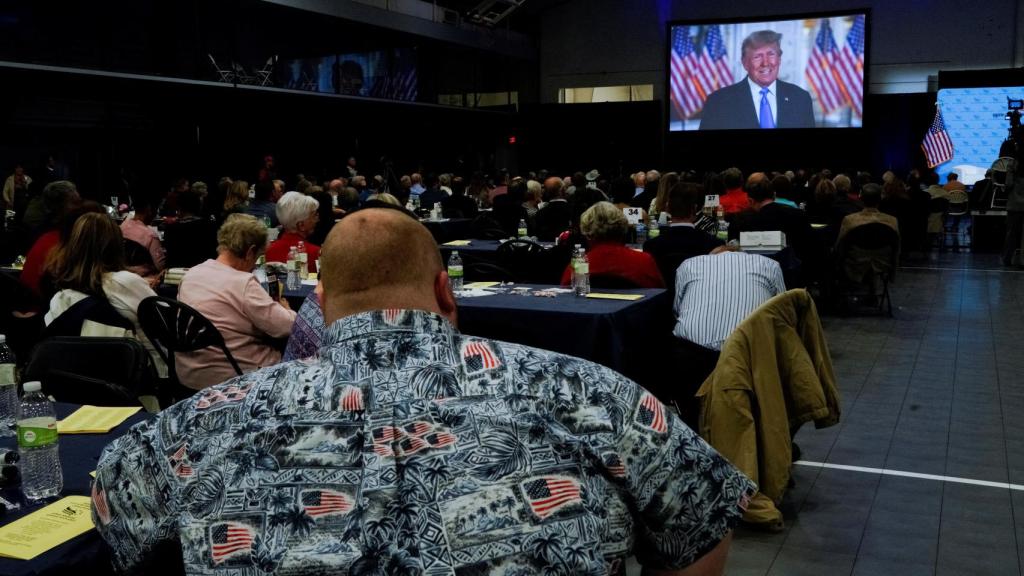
906	474
1000	270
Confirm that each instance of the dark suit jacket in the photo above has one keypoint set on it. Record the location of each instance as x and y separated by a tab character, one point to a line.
674	245
732	108
552	220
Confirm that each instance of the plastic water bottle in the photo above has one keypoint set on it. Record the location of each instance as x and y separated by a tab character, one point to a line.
581	282
521	232
8	388
266	222
455	271
41	476
293	263
723	226
574	262
302	269
653	230
641	233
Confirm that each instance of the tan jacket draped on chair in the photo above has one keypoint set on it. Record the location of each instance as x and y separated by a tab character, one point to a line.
774	374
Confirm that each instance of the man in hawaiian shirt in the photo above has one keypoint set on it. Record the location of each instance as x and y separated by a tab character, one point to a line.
405	447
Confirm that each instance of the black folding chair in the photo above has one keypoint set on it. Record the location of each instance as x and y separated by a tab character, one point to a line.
526	259
479	271
175	327
92	370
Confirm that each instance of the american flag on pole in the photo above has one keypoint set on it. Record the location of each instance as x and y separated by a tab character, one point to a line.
850	66
229	539
821	70
712	65
550	494
685	95
937	146
318	503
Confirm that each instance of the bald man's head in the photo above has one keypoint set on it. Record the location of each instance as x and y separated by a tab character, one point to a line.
379	258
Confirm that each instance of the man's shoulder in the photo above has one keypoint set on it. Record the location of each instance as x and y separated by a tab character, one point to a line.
790	88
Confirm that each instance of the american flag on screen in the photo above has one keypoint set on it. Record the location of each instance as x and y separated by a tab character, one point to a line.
850	66
550	494
229	539
713	68
685	95
821	73
401	84
937	146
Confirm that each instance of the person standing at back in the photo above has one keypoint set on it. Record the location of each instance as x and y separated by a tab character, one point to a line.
405	446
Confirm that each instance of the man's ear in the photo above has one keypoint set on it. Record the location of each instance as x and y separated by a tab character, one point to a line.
444	297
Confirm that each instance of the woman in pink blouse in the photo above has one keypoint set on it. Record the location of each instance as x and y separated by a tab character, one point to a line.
226	292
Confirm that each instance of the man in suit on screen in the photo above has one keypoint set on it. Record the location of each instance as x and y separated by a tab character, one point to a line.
760	100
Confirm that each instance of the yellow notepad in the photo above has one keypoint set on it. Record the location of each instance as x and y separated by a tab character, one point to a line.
94	420
28	537
615	296
473	285
457	243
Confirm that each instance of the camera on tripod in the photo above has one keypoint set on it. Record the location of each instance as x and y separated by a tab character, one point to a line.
1013	112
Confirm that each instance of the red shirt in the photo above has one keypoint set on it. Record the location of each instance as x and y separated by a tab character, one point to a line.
35	260
735	200
613	259
278	249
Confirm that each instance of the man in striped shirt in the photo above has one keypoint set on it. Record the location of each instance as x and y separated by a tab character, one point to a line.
714	294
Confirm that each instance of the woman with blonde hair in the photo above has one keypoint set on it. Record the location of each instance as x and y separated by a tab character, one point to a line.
605	228
225	291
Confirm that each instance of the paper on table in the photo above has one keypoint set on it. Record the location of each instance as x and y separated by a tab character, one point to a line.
815	225
474	285
615	296
93	473
28	537
473	293
310	281
94	420
457	243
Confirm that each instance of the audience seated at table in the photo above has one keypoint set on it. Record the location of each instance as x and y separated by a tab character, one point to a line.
262	205
299	215
660	202
190	238
871	197
680	240
458	205
735	199
89	276
396	384
225	291
554	217
62	204
382	198
713	295
766	214
137	229
847	196
236	201
621	195
652	181
507	209
605	228
534	197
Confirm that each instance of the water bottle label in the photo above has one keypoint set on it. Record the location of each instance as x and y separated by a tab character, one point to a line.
7	374
653	233
455	271
36	436
522	232
583	268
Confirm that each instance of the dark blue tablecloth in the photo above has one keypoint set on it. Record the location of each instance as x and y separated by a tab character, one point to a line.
627	336
450	229
86	554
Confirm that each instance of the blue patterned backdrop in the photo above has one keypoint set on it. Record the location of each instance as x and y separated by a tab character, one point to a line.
975	122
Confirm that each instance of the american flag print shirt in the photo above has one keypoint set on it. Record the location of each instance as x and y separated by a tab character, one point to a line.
405	447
